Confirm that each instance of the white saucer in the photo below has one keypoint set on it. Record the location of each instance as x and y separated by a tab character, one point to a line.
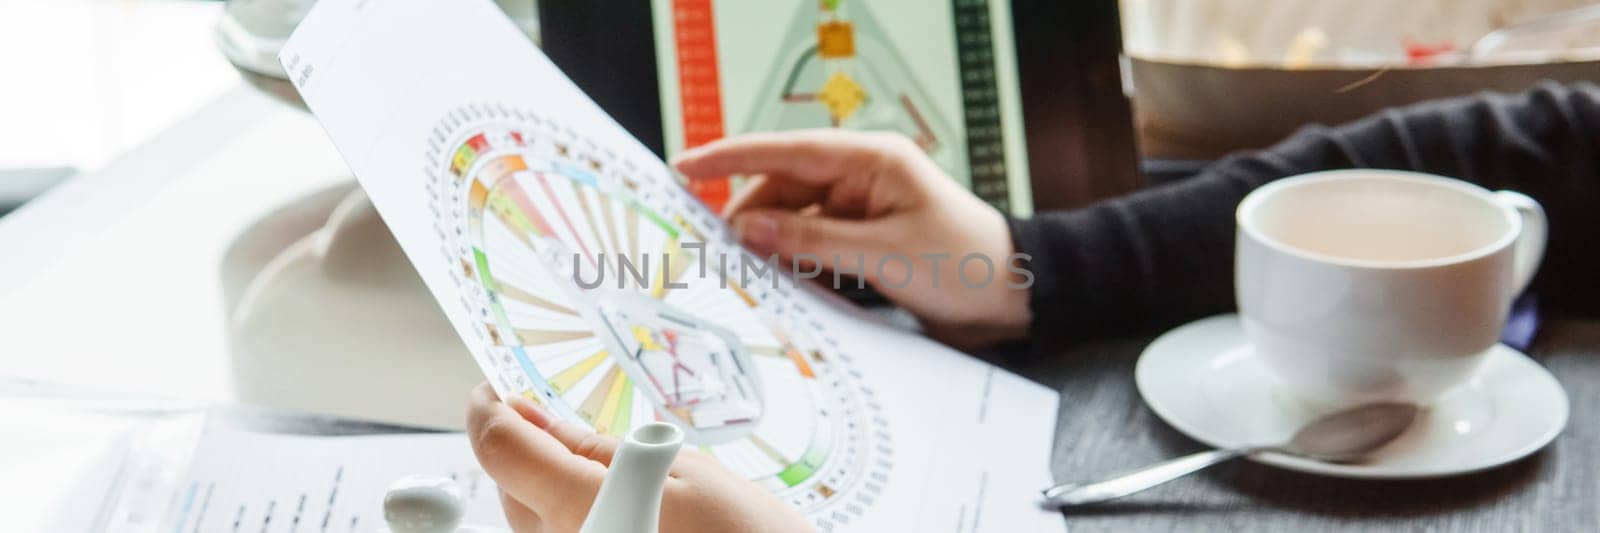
1204	380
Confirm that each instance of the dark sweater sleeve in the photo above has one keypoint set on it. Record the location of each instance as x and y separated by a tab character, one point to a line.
1163	256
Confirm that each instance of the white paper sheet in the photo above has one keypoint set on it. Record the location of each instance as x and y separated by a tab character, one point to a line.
244	481
507	188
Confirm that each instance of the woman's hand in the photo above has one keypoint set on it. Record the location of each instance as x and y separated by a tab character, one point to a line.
873	203
549	471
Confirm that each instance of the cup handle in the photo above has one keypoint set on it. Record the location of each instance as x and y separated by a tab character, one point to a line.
1530	244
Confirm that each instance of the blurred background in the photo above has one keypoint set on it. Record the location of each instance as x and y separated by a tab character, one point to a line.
87	80
159	138
1211	76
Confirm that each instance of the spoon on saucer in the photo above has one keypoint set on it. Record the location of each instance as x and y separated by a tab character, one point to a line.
1341	437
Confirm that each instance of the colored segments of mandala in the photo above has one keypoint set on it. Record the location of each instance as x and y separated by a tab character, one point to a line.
527	209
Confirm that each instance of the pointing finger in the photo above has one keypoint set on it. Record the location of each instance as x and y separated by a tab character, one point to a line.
835	244
815	157
776	193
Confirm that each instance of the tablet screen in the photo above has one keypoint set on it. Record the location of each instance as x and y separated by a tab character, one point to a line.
944	74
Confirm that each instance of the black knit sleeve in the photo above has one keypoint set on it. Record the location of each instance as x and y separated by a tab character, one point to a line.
1164	255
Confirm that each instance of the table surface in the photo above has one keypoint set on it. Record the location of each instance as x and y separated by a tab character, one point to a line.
1105	428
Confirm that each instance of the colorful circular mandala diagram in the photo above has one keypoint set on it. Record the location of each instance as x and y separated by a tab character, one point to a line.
608	295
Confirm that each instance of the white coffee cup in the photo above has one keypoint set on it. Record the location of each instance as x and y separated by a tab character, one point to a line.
1368	285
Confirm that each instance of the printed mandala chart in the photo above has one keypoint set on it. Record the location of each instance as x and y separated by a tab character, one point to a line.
580	274
529	210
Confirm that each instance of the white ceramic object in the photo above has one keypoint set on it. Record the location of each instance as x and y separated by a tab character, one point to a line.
423	504
1360	286
630	497
339	323
1204	379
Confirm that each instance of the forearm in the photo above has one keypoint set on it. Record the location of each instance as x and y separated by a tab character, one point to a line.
1165	255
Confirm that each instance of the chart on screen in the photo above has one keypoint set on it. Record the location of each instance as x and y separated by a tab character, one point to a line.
938	73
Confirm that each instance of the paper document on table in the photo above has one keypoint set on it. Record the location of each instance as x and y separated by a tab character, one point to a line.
246	481
581	275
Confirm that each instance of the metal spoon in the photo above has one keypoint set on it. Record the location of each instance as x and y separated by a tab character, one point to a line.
1341	437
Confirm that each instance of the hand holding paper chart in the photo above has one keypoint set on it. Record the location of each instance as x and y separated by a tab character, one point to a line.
582	276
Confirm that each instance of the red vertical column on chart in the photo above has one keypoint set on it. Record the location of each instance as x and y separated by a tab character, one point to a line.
699	88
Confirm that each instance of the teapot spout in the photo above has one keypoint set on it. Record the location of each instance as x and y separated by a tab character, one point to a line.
630	497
